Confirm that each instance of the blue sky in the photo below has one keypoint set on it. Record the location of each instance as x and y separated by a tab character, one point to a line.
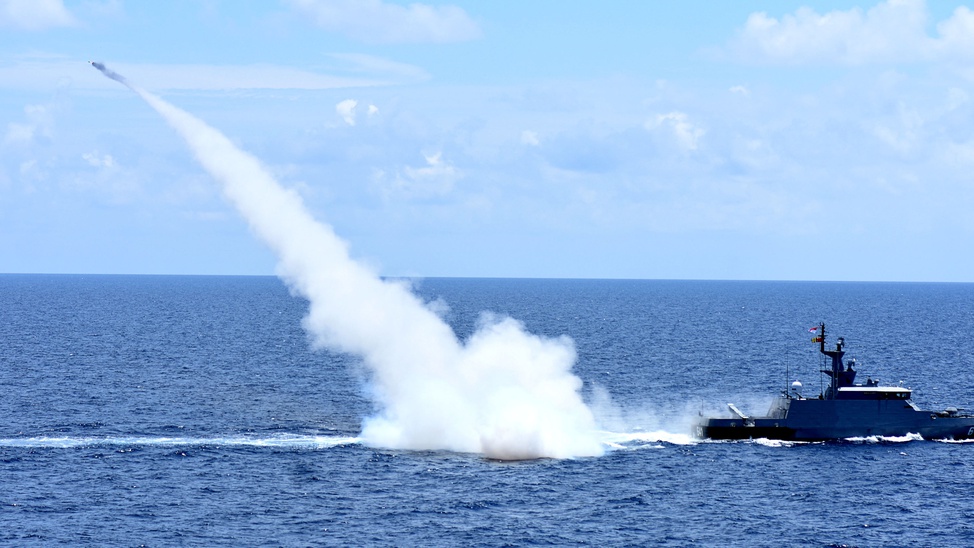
703	140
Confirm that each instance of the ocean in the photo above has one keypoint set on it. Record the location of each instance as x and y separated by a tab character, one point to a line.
184	410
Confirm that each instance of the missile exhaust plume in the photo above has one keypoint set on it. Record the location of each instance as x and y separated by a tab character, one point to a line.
503	393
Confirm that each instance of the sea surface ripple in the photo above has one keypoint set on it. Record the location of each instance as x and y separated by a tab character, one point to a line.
182	410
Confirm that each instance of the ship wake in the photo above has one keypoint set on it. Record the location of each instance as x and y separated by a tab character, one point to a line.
289	441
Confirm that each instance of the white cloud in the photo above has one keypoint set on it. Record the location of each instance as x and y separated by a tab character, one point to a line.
904	133
346	109
891	31
40	122
530	138
35	14
752	153
101	9
434	179
379	22
959	154
28	167
32	173
100	161
224	77
741	90
956	98
18	133
108	180
436	174
687	134
957	33
361	63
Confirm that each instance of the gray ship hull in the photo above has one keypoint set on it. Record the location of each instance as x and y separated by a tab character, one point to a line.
820	419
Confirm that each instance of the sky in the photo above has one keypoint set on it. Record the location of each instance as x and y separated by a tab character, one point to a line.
815	140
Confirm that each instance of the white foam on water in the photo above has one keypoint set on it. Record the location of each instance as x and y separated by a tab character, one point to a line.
617	441
294	441
886	439
774	443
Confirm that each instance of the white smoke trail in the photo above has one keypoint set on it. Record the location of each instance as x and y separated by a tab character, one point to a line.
504	393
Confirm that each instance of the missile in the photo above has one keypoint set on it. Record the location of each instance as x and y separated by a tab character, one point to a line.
109	72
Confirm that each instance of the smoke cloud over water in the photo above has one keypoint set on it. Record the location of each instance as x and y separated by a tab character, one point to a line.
503	393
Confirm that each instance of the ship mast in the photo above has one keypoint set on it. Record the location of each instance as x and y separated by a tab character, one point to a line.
840	375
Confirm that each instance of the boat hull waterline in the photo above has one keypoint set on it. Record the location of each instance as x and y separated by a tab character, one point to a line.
823	420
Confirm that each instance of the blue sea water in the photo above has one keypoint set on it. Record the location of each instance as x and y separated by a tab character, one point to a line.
160	411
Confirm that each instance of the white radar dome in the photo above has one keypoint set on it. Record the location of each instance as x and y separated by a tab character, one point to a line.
796	388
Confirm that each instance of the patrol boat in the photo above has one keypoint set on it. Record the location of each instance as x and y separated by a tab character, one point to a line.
844	410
